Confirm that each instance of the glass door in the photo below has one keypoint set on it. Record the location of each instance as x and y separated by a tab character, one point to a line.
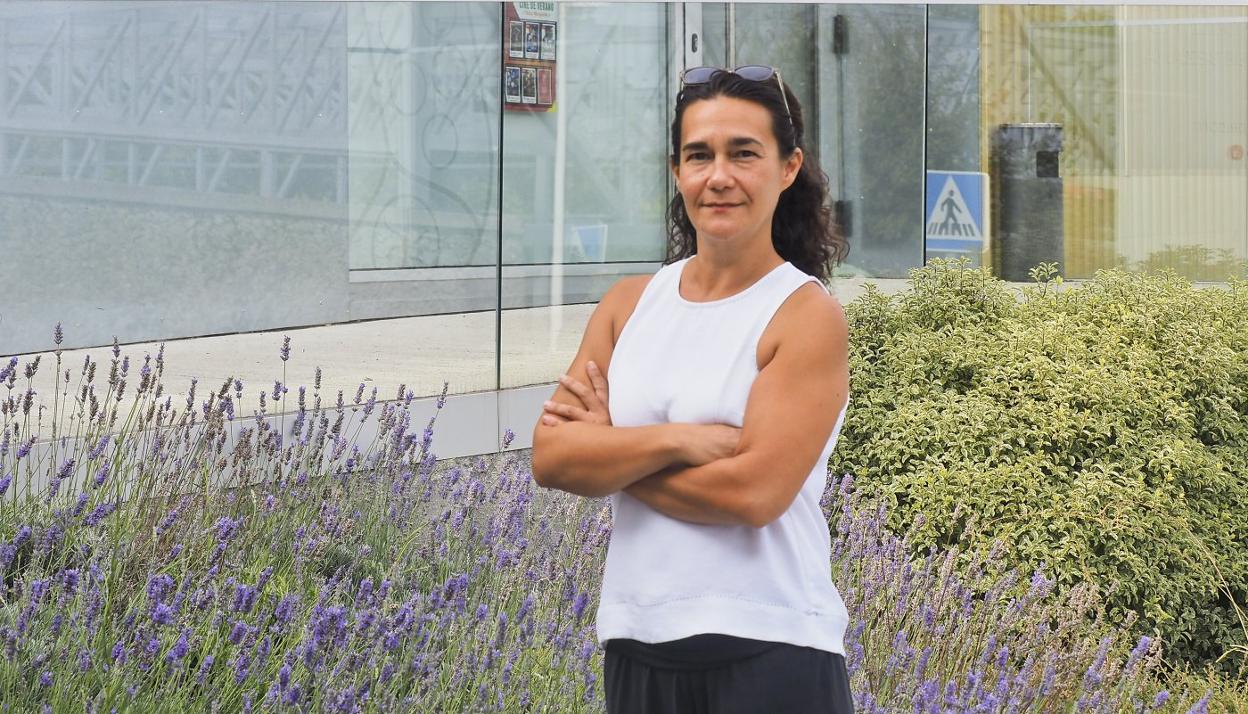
859	73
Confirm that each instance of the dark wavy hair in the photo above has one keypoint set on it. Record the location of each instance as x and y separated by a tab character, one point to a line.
802	228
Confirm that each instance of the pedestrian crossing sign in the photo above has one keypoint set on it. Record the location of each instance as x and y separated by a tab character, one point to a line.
956	211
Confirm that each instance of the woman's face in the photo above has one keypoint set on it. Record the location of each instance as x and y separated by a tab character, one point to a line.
730	171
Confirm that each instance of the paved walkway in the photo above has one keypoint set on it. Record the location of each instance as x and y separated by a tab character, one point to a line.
420	352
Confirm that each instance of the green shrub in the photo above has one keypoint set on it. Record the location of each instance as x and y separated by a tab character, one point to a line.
1100	432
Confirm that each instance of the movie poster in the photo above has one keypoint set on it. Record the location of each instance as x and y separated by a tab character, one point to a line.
529	85
511	86
545	92
530	44
515	46
548	41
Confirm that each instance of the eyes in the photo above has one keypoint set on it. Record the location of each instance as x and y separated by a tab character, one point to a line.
735	154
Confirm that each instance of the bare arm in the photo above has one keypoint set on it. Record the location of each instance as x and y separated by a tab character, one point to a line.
792	408
709	494
595	458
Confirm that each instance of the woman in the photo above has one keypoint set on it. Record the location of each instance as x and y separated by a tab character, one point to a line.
728	382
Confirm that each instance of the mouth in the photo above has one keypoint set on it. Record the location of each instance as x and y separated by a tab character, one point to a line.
720	205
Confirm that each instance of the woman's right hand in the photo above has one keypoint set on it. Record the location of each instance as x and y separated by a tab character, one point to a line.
704	443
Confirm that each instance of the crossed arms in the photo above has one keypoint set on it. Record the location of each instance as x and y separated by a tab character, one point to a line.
699	472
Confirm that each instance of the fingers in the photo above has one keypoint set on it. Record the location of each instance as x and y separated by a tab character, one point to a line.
598	380
552	420
567	411
580	390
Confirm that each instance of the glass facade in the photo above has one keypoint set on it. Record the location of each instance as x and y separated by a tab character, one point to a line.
454	204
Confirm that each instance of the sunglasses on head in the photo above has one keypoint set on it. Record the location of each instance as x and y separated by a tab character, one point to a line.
752	72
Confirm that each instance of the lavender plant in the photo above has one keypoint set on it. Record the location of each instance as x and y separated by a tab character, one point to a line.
173	557
185	556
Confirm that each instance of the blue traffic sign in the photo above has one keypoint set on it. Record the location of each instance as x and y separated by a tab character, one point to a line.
956	211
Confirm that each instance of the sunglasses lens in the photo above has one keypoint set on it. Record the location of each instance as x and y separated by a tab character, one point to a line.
754	72
700	75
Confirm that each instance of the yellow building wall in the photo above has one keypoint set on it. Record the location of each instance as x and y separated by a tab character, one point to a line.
1152	100
1182	194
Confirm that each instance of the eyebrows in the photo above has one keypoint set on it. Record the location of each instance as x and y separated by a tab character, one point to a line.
735	142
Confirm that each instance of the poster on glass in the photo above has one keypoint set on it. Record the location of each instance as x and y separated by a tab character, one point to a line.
530	34
545	93
515	45
532	40
528	84
548	41
512	85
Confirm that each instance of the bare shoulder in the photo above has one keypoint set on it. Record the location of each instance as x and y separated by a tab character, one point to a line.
811	318
624	296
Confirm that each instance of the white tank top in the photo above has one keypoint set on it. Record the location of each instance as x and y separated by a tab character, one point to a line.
666	579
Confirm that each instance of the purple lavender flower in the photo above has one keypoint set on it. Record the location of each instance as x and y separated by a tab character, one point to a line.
158	586
80	505
364	595
119	653
99	513
84	660
9	371
38	589
180	647
69	581
101	475
242	667
508	436
1092	677
45	679
578	606
238	632
167	522
58	334
244	598
204	668
4	483
226	528
163	614
1200	707
1140	649
98	450
525	607
264	578
284	610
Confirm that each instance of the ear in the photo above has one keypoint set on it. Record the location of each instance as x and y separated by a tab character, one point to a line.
675	167
792	165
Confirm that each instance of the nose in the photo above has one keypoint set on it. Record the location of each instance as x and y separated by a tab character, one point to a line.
721	174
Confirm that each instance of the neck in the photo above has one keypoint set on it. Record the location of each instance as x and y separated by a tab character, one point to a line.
721	269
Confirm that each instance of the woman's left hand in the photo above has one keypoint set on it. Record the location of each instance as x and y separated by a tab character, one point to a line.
595	401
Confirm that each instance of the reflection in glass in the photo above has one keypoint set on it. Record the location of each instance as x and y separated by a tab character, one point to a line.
424	134
875	131
585	184
1152	101
163	174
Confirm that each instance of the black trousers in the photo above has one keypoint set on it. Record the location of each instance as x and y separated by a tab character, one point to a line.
770	678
